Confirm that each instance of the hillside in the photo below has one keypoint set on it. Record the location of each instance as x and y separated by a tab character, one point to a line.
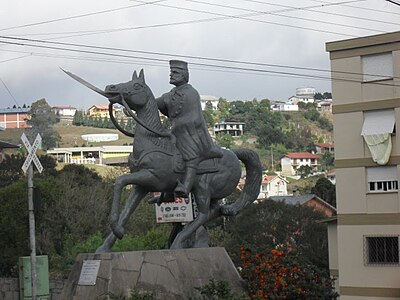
70	135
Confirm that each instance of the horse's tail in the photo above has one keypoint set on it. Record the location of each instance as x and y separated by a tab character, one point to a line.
252	184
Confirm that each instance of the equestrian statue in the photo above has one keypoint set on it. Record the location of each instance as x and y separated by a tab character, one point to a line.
176	161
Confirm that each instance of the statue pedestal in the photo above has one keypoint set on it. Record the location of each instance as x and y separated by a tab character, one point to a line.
170	274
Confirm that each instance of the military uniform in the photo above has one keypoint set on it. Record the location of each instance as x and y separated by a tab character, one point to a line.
183	108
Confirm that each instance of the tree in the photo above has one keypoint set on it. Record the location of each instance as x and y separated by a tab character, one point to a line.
326	190
283	274
223	109
268	225
304	171
318	96
78	118
225	140
327	95
42	121
208	114
327	160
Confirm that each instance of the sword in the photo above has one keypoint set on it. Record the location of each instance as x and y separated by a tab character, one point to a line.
87	84
101	92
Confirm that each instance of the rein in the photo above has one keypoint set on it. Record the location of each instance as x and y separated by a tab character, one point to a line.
132	114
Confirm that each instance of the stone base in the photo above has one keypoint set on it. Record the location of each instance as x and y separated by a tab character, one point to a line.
169	274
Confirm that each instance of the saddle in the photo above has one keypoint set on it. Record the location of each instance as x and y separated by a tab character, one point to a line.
209	165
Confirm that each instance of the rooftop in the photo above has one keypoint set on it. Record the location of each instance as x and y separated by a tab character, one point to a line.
297	155
14	110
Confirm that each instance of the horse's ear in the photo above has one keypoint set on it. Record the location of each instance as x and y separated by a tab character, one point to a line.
134	76
141	75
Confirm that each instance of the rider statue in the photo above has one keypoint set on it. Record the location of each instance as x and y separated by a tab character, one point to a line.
182	107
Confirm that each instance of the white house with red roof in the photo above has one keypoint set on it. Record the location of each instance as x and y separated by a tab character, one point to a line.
291	161
273	185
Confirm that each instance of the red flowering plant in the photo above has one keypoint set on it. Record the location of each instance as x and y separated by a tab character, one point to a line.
280	274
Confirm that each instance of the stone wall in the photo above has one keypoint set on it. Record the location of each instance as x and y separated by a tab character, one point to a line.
9	289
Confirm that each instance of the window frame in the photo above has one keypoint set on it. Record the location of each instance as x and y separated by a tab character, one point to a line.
368	77
390	259
384	185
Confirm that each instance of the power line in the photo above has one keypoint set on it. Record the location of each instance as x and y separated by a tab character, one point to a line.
361	8
219	18
284	16
80	16
196	64
310	8
245	17
15	58
183	56
9	92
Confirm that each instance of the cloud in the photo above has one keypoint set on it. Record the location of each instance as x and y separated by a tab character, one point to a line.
38	76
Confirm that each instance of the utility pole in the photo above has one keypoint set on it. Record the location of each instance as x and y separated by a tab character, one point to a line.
272	159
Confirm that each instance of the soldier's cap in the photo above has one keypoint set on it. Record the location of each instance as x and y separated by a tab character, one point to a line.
179	64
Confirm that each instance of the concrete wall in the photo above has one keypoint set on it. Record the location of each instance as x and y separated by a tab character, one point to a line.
9	289
361	213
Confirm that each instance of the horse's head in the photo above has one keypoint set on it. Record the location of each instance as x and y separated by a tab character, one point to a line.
135	92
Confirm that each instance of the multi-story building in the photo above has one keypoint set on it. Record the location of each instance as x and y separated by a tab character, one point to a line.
366	113
65	112
273	185
99	110
292	161
232	128
14	117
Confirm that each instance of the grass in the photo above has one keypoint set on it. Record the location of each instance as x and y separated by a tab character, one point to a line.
70	135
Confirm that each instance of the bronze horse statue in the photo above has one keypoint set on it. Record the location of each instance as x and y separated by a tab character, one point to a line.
155	166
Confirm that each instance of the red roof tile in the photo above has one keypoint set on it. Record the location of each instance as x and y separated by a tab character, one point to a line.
298	155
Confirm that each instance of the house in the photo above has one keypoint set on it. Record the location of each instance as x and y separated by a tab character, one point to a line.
14	117
303	94
104	155
274	185
99	110
290	162
284	107
232	128
309	200
331	176
366	115
211	99
324	106
65	113
324	147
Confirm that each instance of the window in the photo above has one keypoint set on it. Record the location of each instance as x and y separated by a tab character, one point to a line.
381	250
377	67
382	179
377	129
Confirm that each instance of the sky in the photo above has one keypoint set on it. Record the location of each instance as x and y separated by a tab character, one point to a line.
237	49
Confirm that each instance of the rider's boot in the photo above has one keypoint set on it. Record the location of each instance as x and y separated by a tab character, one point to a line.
183	188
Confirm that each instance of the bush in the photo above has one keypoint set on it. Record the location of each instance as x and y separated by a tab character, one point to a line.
282	274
